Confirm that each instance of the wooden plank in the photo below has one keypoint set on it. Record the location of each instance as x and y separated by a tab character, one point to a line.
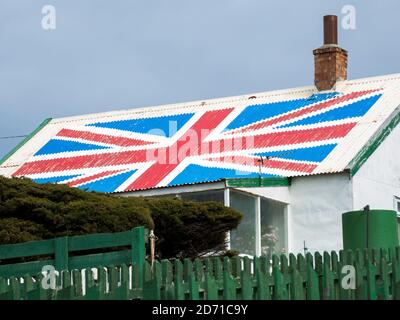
67	290
77	283
113	281
284	264
312	289
265	263
211	287
383	283
138	251
193	287
236	266
26	249
187	269
152	283
178	280
198	270
292	262
327	282
61	253
100	240
371	280
296	286
247	264
301	263
280	291
89	278
246	282
263	290
100	259
396	278
28	286
229	285
218	269
318	263
167	278
209	266
21	269
309	259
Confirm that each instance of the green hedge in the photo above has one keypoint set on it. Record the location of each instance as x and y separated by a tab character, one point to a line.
30	211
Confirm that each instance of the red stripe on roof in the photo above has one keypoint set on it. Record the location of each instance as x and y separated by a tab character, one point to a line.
103	138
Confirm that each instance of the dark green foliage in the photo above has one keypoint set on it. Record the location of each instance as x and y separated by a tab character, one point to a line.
30	211
190	229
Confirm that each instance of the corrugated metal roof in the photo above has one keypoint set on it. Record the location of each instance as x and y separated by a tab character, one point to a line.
283	133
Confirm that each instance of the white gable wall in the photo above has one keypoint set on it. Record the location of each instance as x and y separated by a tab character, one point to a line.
378	180
316	207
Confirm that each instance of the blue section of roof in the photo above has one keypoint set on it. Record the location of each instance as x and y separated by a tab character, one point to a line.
57	145
355	109
313	154
107	184
261	112
57	179
195	173
162	126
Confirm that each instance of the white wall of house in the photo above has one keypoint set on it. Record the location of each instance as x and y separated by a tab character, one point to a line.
315	211
378	181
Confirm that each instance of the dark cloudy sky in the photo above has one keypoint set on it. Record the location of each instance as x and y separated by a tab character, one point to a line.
110	55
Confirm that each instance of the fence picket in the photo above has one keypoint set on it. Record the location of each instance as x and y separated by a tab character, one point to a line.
246	282
211	287
229	286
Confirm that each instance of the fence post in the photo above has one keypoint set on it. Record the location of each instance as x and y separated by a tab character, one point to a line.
61	253
138	251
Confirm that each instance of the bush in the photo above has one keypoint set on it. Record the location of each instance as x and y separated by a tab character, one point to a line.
191	229
30	211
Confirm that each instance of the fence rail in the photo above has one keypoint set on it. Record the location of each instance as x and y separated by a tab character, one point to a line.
293	277
65	253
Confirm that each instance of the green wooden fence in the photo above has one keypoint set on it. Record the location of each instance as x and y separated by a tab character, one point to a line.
309	277
68	253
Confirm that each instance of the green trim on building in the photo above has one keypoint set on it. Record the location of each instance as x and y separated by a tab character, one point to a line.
19	145
372	145
257	182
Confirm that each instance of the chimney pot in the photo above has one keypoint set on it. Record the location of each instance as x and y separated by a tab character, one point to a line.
330	30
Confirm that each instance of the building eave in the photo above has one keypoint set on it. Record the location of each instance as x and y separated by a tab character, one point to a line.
366	152
25	140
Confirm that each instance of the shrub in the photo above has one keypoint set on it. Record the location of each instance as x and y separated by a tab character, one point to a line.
30	211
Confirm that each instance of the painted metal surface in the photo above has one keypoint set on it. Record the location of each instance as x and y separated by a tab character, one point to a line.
274	134
257	182
372	229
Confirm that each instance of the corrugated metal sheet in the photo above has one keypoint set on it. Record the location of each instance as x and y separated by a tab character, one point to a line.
282	133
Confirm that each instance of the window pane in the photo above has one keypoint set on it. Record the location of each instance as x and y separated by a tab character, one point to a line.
210	195
243	238
273	227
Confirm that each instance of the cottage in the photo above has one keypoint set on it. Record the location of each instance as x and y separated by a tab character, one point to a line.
292	161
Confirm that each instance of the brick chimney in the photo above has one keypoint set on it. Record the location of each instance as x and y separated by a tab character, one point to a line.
330	60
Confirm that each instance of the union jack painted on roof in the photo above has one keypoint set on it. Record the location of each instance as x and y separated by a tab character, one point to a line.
289	134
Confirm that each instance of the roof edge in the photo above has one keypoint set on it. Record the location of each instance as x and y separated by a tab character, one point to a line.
365	153
26	139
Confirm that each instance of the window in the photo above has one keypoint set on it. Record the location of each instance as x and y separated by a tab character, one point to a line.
209	195
397	204
273	227
243	239
263	229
